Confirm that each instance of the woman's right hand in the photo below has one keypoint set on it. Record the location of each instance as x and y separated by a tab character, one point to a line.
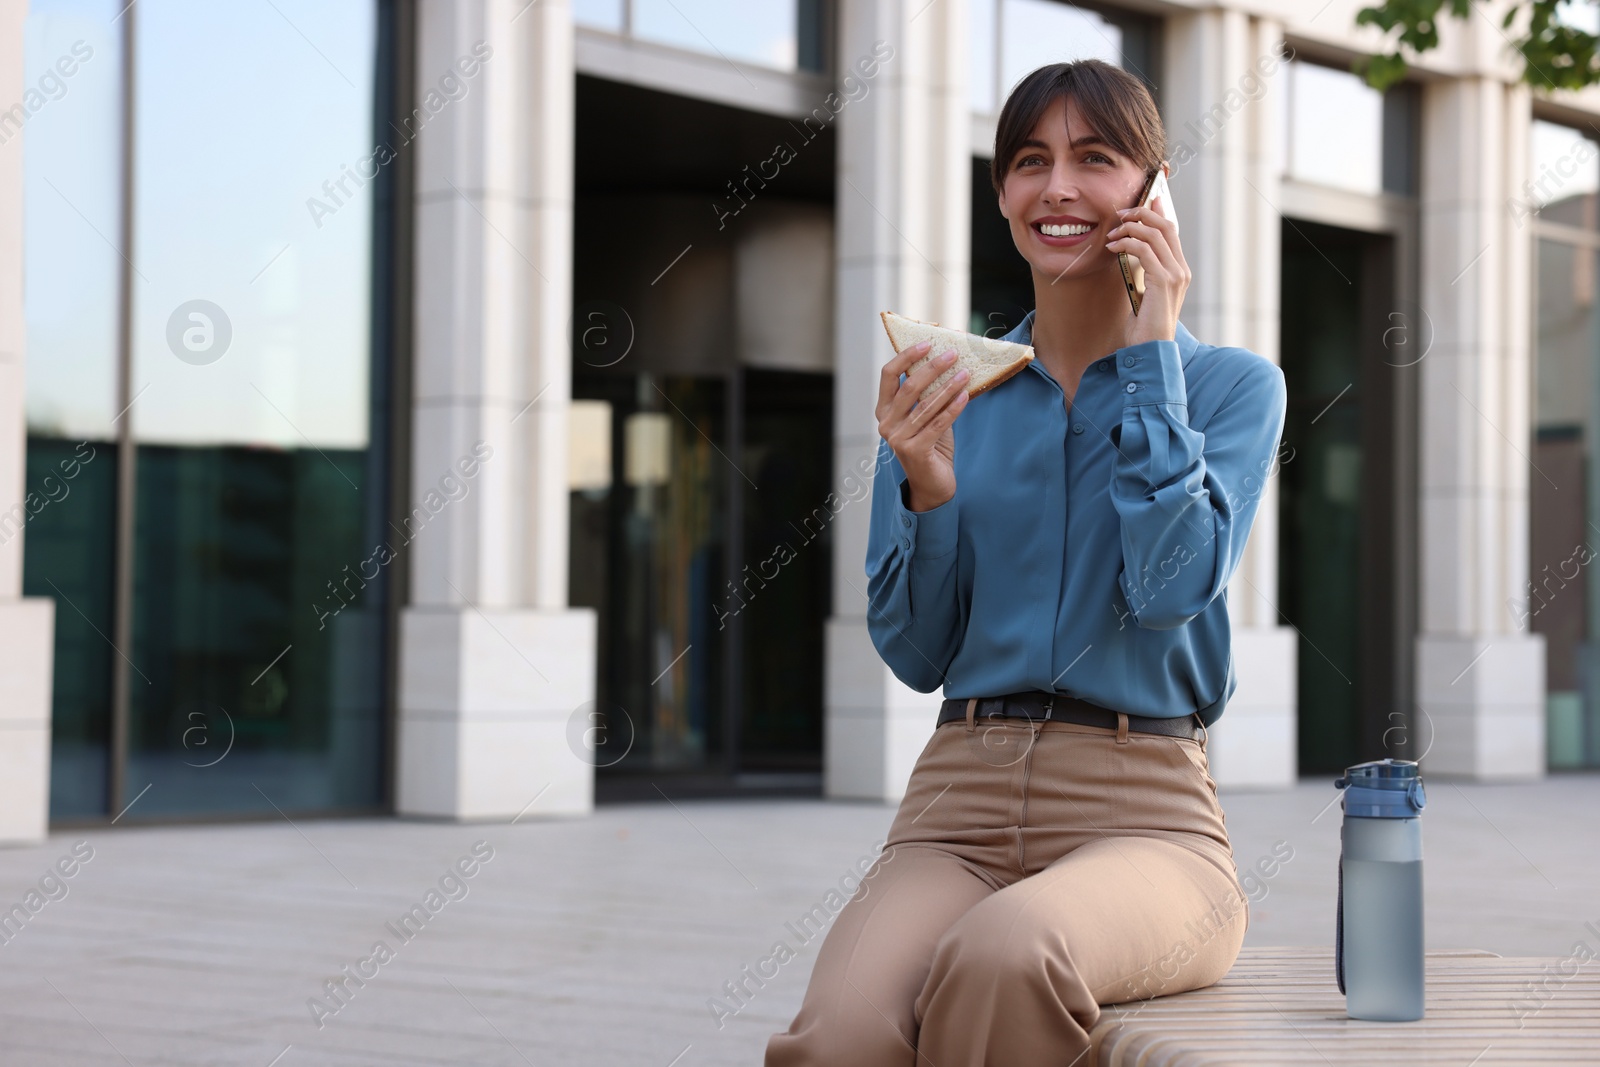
920	434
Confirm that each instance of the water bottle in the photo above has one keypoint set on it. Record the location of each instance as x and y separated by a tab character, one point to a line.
1378	929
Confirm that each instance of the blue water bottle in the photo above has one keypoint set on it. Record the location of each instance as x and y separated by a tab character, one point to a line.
1378	930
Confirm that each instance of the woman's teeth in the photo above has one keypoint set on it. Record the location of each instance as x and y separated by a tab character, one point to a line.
1054	230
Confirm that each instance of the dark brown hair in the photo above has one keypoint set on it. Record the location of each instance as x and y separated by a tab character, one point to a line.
1115	103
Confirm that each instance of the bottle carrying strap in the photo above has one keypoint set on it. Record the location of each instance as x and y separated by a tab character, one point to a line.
1338	923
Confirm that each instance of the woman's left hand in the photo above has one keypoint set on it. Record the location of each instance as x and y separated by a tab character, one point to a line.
1152	239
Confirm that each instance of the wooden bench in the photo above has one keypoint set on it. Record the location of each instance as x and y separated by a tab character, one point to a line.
1281	1005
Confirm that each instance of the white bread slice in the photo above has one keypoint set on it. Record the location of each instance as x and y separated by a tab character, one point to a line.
987	361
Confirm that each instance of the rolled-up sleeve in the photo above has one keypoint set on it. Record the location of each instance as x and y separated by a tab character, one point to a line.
1186	499
913	611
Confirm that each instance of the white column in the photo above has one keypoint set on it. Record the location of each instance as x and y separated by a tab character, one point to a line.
1223	67
27	624
1480	679
494	665
903	244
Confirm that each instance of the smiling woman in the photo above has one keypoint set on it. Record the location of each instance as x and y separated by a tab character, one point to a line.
1076	839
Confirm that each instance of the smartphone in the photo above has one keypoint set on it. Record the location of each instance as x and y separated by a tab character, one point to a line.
1132	272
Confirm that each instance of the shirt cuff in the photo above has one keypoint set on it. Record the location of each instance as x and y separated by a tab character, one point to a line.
924	534
1151	372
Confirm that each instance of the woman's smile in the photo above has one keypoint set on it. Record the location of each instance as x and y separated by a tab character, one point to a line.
1062	231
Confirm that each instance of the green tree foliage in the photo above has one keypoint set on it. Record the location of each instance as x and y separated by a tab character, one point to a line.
1555	54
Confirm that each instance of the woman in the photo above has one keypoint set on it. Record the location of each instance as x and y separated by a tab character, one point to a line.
1057	559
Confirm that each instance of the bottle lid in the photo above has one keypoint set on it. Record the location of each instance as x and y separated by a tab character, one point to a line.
1383	789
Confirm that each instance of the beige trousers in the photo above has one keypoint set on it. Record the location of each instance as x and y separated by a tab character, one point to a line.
1034	872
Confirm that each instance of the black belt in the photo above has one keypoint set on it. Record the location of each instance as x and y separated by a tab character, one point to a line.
1054	707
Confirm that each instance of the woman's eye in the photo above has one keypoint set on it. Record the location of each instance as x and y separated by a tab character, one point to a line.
1097	155
1030	159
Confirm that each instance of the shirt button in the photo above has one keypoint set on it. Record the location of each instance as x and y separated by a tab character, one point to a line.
1128	361
906	541
1133	387
1077	427
905	520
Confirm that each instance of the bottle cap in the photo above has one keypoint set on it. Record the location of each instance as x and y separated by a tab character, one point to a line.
1383	789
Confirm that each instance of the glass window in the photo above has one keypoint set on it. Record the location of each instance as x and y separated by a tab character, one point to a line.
252	645
1563	177
1010	39
259	556
1562	598
73	218
72	229
759	33
601	14
1332	129
982	22
1034	33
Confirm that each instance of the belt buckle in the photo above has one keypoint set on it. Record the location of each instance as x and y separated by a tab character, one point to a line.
1049	706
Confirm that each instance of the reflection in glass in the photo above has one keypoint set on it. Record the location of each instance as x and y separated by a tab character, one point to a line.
1333	128
1034	33
1563	176
600	14
68	120
981	15
69	555
647	549
1562	598
737	29
259	557
1319	509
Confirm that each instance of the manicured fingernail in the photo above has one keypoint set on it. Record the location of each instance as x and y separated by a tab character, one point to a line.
922	346
961	375
947	357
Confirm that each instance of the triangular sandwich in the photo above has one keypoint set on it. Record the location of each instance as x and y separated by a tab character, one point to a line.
988	361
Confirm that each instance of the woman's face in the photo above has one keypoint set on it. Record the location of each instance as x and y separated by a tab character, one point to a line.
1062	191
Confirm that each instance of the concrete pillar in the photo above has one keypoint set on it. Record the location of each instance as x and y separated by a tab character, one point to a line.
1480	679
494	664
903	238
27	624
1223	65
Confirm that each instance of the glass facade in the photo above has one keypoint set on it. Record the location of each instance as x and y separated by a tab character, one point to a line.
220	613
1011	38
1562	597
72	277
783	34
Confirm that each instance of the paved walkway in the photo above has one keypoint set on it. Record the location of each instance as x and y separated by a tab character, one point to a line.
600	941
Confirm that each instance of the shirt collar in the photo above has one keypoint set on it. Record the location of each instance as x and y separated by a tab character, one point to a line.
1023	335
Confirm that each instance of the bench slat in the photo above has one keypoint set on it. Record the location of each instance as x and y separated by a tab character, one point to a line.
1281	1004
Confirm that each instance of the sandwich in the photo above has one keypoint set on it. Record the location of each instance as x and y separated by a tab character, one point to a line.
987	361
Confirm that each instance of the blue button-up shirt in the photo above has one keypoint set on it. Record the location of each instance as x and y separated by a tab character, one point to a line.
1088	548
